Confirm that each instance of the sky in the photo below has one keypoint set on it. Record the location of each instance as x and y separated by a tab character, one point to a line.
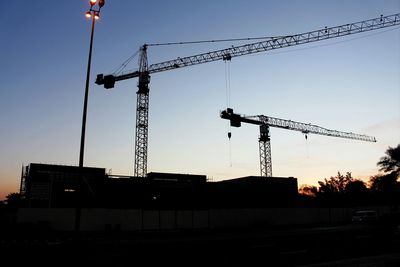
349	84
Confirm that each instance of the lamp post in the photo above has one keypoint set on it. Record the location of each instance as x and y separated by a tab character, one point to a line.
94	14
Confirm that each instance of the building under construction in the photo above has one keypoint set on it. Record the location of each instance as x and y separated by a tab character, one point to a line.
58	186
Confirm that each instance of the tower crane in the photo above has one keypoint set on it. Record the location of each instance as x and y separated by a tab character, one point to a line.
265	140
144	70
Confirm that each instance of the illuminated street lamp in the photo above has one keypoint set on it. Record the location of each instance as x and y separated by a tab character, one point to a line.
95	15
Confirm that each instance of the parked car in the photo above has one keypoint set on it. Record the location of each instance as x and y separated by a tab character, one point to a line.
364	216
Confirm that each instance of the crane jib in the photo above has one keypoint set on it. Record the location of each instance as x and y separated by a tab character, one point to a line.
237	119
271	44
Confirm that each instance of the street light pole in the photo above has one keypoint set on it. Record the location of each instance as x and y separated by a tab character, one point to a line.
94	14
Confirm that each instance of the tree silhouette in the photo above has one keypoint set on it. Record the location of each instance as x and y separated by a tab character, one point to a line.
335	184
357	193
386	186
332	191
385	183
308	190
390	165
14	199
391	162
344	189
356	187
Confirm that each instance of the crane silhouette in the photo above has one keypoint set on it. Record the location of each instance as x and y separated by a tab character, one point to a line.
265	140
144	70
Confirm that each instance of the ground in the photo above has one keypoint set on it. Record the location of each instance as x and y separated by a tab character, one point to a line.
329	245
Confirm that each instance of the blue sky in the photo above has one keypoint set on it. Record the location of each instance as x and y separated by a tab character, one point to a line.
349	84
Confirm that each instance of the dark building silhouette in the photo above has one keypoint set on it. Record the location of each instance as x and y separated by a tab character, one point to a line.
44	185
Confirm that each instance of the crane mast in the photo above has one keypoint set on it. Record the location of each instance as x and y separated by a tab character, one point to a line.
142	116
265	141
144	71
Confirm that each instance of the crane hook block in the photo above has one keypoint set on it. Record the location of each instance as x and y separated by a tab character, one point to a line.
229	135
